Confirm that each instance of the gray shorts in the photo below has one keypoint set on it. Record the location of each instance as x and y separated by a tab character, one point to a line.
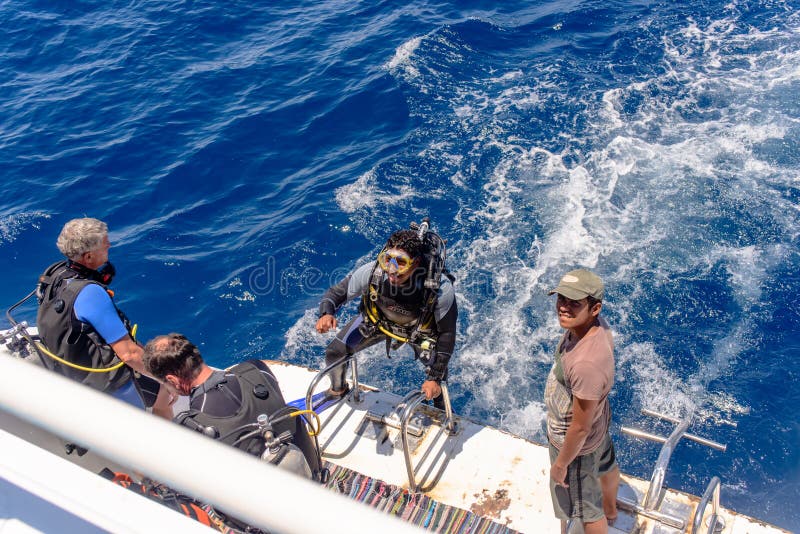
583	499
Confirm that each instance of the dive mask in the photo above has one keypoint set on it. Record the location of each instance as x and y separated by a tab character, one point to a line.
395	261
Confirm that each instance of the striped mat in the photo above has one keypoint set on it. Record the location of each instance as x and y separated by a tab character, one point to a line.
415	508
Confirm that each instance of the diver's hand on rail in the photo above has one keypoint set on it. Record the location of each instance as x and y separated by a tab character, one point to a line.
431	389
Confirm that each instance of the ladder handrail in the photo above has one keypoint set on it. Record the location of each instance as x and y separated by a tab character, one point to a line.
659	439
652	499
449	420
710	494
410	403
327	370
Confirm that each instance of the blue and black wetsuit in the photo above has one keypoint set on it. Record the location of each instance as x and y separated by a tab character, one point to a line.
402	306
77	320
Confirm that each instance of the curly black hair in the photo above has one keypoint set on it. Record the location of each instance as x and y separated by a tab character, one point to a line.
407	240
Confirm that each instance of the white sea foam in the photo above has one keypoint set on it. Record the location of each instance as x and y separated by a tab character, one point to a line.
243	296
656	386
628	210
364	193
402	58
12	225
301	341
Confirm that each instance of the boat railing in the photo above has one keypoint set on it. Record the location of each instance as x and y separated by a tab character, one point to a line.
19	338
655	491
14	335
183	460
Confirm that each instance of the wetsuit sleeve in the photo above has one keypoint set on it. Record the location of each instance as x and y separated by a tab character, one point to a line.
93	305
446	326
334	297
445	299
352	285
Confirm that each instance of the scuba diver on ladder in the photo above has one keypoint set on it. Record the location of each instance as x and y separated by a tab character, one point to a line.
407	296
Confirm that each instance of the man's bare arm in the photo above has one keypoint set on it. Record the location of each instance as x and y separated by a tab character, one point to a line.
582	415
129	352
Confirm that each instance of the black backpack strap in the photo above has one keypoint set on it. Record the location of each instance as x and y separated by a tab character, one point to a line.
187	419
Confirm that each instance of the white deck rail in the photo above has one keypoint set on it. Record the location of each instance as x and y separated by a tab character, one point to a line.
247	488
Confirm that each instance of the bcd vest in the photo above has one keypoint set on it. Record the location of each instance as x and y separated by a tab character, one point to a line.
71	339
398	308
259	396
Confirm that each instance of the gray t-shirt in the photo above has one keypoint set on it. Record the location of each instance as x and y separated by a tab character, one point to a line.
587	368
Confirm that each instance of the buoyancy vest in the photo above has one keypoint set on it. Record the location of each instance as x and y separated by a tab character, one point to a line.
404	314
401	305
259	395
78	342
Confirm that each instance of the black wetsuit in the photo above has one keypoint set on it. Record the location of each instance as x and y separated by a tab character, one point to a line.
402	305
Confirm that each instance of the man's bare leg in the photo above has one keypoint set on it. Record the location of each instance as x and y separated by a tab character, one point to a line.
596	527
609	484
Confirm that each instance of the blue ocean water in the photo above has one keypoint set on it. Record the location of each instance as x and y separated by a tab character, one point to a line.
247	156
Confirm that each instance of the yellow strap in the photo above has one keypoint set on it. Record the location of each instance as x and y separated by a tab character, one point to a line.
371	316
311	432
78	367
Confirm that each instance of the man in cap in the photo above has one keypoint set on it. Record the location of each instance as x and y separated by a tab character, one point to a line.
584	476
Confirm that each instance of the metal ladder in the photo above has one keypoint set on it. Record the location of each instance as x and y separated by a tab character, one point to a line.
355	391
399	418
653	498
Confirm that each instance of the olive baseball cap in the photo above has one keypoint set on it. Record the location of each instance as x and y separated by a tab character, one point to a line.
579	284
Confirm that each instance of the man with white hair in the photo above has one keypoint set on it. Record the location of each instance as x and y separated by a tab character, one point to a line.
85	335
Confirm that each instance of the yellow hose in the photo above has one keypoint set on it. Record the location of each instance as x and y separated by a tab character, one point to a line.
311	432
76	366
382	329
88	369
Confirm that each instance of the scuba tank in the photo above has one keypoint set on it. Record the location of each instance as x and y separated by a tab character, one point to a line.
280	451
